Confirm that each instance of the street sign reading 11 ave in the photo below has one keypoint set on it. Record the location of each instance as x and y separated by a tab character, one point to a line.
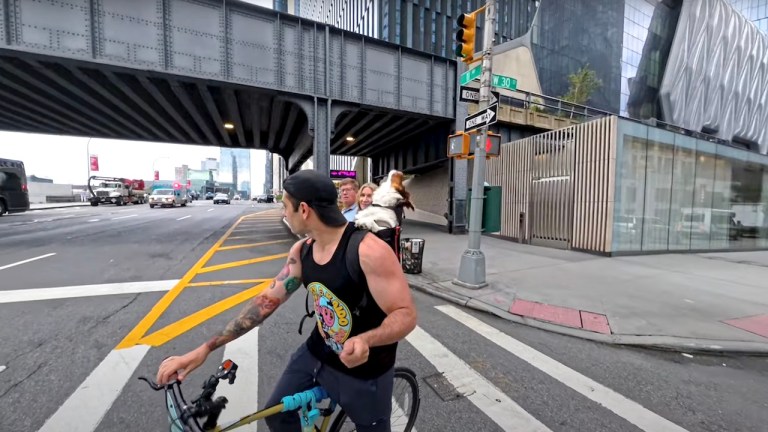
471	75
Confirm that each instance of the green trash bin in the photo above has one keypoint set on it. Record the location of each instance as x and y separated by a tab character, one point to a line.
491	208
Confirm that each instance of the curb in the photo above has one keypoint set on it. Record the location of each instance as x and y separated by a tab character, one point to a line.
59	207
664	343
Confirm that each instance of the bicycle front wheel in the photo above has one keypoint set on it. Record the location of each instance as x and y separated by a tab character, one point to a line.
405	404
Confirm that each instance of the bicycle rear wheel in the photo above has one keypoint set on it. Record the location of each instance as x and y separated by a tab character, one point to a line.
405	404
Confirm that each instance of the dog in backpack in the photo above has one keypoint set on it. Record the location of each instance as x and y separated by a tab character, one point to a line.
389	200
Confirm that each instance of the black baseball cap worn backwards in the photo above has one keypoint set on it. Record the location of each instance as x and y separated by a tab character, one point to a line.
318	192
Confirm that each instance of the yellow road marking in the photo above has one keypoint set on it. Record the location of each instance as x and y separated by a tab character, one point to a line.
190	321
232	282
241	263
226	248
261	228
133	337
253	236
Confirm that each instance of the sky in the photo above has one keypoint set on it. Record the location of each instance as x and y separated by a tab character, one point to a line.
65	159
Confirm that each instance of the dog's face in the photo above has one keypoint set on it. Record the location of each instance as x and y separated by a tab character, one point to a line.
391	191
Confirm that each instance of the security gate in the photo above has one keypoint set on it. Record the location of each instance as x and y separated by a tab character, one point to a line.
551	199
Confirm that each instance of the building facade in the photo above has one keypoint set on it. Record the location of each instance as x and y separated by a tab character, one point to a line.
426	25
684	168
619	186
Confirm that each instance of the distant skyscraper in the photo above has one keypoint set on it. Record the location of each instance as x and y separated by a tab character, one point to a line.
235	166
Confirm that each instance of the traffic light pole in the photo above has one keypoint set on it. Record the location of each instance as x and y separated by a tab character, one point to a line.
472	264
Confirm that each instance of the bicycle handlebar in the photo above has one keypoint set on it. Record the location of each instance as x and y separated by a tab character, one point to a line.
185	417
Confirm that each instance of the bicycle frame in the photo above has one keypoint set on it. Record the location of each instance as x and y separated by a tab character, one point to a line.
305	402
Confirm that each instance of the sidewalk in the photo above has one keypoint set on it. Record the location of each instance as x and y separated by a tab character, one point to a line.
674	301
57	205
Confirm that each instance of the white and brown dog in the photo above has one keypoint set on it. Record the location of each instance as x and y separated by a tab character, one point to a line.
388	202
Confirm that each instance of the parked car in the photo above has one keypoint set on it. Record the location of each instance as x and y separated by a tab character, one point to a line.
221	198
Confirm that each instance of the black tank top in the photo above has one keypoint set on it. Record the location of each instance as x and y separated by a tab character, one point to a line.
337	301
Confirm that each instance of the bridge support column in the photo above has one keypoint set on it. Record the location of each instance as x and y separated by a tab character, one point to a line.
321	145
268	176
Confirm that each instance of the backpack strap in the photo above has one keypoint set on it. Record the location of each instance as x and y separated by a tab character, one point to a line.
308	314
354	268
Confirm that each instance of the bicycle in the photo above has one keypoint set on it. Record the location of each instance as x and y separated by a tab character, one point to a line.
185	417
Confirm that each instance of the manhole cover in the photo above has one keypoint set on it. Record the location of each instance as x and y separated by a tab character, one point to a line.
442	387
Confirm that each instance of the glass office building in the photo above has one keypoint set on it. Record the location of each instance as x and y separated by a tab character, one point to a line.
426	25
679	192
754	10
618	186
235	168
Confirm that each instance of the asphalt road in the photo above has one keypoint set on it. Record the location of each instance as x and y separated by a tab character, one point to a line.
77	330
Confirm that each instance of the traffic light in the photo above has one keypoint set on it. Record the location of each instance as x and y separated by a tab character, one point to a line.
492	144
458	145
465	36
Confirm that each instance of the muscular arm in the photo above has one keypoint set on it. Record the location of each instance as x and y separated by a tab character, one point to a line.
389	288
262	306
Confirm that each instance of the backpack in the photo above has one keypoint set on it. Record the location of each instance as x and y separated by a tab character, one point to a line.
390	236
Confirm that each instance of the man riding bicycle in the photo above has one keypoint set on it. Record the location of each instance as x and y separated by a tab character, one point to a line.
351	352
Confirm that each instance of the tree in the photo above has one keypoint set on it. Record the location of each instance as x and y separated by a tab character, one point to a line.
583	83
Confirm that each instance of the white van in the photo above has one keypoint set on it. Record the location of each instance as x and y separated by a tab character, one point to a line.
709	223
167	197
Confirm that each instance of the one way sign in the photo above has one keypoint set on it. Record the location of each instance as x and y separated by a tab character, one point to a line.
481	118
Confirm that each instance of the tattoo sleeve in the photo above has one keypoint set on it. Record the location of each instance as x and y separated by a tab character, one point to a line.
260	307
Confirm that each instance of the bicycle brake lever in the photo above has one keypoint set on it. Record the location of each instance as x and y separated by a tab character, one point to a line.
151	383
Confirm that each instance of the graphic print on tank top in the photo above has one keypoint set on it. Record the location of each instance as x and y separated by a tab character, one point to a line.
334	319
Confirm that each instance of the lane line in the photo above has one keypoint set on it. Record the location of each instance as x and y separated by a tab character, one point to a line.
144	325
210	210
615	402
27	261
93	220
185	217
36	294
187	323
244	351
231	282
487	397
87	406
125	217
226	248
256	235
241	263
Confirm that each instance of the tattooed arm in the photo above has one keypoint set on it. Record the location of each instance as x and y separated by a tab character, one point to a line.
252	314
262	306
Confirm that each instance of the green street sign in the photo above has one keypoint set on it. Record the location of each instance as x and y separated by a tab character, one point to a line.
503	82
470	75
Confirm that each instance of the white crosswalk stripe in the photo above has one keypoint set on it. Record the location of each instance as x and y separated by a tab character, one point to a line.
243	394
629	410
87	406
486	396
83	411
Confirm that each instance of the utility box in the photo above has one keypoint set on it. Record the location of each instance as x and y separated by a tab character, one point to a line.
491	208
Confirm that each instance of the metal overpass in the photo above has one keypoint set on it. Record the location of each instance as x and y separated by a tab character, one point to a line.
223	73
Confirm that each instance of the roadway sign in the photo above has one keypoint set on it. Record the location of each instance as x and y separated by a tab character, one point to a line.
504	82
481	118
469	94
471	75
